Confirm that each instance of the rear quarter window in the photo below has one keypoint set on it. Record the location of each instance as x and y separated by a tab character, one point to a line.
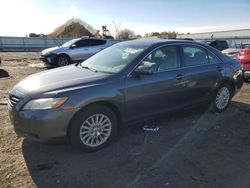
213	58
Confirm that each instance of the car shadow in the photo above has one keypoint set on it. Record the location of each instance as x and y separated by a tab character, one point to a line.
180	154
3	73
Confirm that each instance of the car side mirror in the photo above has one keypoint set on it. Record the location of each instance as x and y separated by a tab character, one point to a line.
138	73
72	46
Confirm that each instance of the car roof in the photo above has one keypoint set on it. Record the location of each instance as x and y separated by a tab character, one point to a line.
148	43
154	42
213	40
86	37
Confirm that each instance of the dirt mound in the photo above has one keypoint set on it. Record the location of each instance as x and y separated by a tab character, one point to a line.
73	28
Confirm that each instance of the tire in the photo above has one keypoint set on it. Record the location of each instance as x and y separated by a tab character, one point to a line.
246	79
62	60
221	99
93	128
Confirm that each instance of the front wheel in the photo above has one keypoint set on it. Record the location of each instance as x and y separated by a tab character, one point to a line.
222	98
246	79
93	128
62	60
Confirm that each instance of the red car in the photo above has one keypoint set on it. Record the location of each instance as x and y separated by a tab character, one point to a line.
244	57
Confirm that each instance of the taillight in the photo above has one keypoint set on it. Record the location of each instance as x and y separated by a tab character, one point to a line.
245	66
245	51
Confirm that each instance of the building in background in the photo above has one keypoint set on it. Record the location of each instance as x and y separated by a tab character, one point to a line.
235	38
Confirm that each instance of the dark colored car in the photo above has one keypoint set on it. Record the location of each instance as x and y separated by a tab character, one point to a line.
218	44
244	57
73	51
89	101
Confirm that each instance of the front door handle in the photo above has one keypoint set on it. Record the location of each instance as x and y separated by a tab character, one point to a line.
179	77
219	69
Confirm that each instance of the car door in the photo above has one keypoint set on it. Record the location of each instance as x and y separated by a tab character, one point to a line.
79	50
95	45
202	72
160	91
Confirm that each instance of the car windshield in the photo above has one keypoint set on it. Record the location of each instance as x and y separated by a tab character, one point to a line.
69	43
113	59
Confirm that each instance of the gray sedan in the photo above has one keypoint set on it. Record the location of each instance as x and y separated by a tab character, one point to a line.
88	102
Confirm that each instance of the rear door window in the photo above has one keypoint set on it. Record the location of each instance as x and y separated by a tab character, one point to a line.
89	42
194	56
96	42
81	43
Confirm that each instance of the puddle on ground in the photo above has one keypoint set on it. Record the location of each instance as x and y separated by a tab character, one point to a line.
37	65
3	101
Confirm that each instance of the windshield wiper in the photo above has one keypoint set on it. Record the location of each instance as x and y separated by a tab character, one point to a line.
89	68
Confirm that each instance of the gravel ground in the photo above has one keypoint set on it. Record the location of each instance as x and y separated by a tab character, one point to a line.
192	148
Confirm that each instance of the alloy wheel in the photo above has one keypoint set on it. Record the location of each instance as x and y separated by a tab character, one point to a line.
62	61
222	98
95	130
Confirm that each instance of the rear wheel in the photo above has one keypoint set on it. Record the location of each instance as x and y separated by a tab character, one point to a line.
246	79
93	128
222	98
62	60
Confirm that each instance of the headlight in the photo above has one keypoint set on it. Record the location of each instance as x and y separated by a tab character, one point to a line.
45	103
46	53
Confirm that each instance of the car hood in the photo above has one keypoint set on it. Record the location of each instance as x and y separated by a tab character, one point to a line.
51	81
53	49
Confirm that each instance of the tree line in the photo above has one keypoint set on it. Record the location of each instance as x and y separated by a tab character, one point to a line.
126	34
129	34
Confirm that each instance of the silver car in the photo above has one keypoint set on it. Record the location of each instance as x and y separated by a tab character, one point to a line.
74	51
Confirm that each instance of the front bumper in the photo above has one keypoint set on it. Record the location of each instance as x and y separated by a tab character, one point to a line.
49	58
238	80
41	125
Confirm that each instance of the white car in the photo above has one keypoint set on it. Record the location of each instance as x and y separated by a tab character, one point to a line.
75	50
231	52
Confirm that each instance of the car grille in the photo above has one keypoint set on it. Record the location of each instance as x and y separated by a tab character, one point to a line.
13	101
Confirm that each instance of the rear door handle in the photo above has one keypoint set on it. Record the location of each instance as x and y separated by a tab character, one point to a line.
219	69
179	77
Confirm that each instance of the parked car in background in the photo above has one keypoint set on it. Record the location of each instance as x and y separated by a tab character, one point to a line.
218	44
74	51
231	52
89	101
244	57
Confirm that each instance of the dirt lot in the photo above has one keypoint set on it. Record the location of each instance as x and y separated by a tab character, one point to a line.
192	148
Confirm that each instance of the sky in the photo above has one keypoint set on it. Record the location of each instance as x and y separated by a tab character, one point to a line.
21	17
